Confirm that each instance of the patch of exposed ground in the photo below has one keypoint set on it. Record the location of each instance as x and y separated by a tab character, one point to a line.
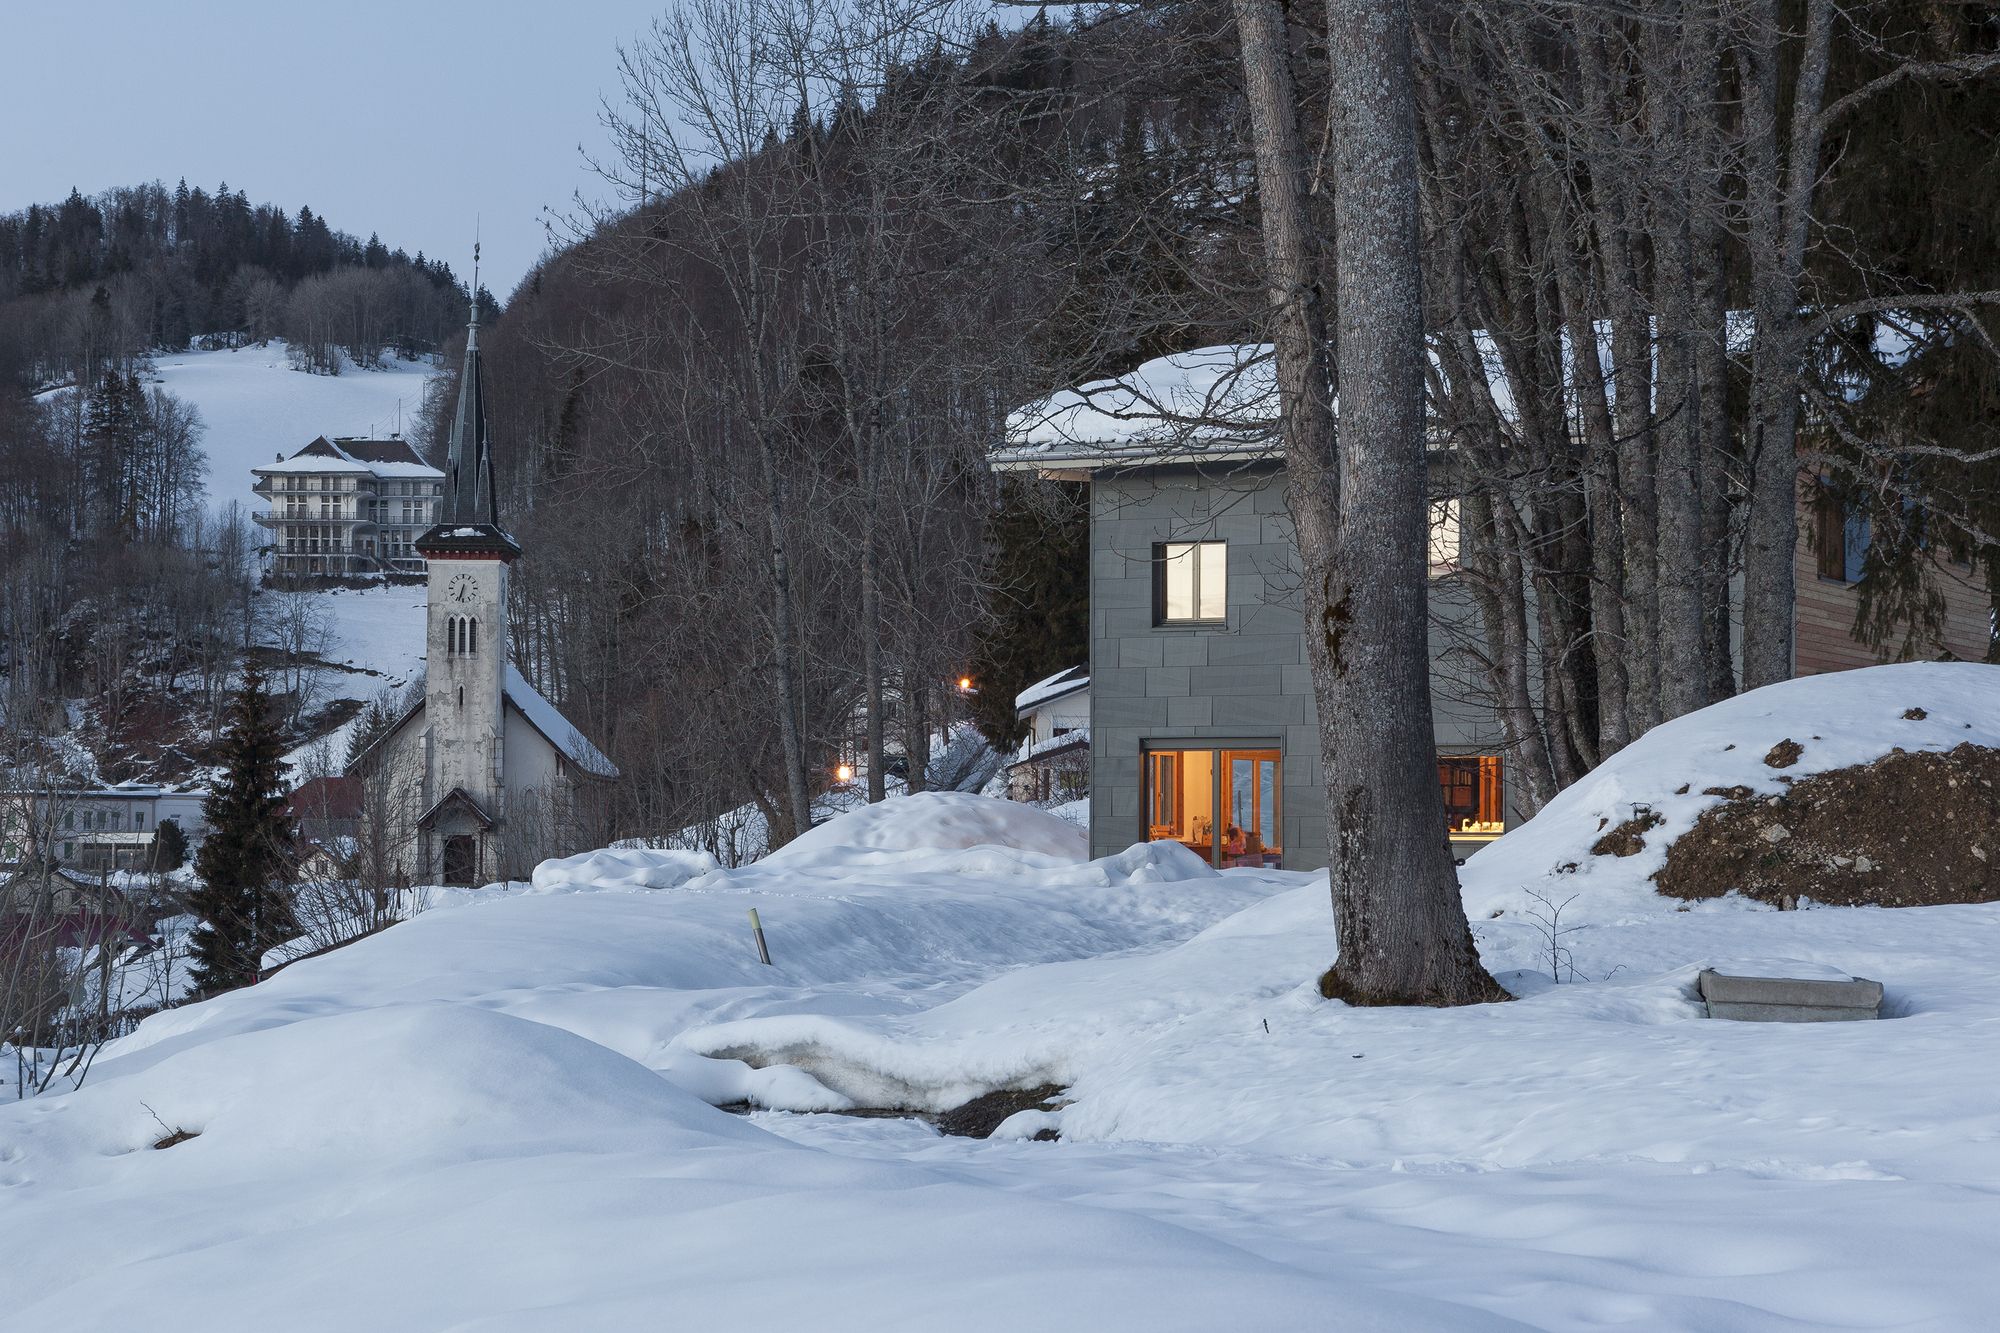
1908	830
976	1119
1628	839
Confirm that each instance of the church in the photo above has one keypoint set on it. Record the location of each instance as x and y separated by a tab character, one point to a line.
482	777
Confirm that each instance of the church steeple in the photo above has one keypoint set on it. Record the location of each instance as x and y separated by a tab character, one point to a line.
469	496
470	516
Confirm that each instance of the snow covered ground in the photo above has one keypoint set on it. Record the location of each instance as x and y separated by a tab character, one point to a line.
498	1115
255	407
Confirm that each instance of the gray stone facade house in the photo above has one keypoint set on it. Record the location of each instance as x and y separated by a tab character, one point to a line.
1202	723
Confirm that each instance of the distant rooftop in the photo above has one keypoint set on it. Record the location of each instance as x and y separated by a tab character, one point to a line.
381	458
1058	686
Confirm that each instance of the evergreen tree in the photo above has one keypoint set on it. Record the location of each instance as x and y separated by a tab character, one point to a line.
375	722
111	425
1041	620
242	900
169	847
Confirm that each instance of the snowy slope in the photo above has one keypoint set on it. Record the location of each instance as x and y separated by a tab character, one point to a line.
378	629
377	642
495	1111
255	407
1840	719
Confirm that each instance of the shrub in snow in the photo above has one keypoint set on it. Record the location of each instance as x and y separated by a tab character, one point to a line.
968	763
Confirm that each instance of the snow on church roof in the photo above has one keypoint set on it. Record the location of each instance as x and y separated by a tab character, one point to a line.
542	715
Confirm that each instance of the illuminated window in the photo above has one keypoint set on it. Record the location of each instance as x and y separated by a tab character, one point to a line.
1473	806
1444	538
1186	788
1190	583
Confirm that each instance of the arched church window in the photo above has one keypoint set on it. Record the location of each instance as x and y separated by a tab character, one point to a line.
461	636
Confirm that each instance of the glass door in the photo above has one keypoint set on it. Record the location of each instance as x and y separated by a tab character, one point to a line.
1250	793
1222	805
1180	788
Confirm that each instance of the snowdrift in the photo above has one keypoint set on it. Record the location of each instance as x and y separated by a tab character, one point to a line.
437	1166
502	1113
940	820
1836	720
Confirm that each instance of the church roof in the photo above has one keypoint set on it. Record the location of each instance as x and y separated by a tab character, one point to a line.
457	796
469	493
542	715
556	728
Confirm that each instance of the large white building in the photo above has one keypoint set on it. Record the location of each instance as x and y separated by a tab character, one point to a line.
102	828
483	777
349	506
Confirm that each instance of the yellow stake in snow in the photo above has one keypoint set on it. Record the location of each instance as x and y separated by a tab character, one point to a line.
757	926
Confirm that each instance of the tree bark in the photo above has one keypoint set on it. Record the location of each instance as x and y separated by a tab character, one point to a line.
1403	934
1717	456
1781	190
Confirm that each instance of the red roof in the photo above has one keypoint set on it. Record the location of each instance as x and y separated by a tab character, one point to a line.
326	798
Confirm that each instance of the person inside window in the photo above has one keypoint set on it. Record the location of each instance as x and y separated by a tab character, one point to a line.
1232	841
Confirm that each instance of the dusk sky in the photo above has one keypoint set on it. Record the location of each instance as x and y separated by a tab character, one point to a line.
411	120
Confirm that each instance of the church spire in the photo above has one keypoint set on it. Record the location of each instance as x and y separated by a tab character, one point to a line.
469	492
469	519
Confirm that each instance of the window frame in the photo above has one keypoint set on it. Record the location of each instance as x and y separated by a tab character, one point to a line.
1161	620
1219	747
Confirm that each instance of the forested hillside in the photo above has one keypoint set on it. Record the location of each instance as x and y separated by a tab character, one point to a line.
123	597
92	283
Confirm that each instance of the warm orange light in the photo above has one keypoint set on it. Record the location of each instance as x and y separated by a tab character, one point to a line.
965	682
844	773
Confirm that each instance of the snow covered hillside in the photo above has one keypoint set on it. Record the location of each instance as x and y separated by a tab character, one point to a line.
502	1113
255	407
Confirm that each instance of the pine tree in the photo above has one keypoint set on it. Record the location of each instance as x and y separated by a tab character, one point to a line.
376	720
241	865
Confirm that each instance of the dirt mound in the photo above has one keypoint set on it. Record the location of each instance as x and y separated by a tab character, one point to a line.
1908	830
978	1118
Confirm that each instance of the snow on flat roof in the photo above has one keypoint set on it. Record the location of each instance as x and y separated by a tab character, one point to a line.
565	737
1054	687
1221	397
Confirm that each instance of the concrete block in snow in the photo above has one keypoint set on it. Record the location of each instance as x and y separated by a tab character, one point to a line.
1789	1000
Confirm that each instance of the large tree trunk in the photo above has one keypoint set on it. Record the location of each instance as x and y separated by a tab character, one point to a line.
1403	934
1781	190
1712	372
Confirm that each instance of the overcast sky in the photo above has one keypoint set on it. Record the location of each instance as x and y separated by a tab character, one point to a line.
409	119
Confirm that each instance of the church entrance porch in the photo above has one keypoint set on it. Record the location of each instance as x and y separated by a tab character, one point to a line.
454	831
461	860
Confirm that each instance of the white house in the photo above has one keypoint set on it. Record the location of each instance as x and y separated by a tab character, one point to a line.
108	827
1054	761
349	506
